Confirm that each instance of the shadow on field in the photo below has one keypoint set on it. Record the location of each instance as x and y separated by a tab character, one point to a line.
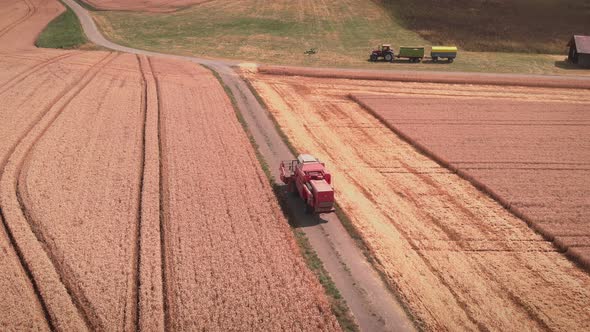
296	209
564	64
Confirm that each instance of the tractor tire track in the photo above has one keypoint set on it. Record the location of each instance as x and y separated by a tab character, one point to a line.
150	268
63	311
31	10
163	201
33	70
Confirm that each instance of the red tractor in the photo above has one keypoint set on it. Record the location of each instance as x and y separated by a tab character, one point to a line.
309	177
383	51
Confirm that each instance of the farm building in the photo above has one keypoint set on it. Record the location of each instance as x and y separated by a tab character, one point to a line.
579	50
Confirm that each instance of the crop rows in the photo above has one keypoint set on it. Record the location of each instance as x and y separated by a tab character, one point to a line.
457	258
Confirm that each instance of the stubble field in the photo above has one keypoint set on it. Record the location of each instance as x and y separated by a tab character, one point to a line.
131	198
532	156
456	257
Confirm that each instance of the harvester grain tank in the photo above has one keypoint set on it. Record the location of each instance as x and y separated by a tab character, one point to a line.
309	177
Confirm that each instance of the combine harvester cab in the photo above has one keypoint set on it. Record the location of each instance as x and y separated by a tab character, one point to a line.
311	180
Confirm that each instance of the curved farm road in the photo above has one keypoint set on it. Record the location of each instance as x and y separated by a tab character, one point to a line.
372	304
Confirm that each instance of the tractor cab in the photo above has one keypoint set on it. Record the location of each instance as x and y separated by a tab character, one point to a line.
383	51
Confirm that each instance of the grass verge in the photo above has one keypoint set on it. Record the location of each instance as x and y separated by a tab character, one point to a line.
337	303
346	221
63	32
281	33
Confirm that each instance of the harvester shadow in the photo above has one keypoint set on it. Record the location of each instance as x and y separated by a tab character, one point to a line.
294	207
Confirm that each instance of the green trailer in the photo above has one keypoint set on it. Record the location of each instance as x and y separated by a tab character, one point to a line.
414	54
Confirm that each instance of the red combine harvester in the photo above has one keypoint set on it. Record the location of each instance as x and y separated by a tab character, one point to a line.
312	181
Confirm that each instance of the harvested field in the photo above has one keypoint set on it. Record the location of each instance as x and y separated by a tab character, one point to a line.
456	257
131	198
160	6
532	156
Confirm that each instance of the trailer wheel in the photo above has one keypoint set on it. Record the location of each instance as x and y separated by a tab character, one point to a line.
389	57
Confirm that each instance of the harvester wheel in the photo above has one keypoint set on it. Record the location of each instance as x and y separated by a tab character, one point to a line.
451	60
389	57
435	59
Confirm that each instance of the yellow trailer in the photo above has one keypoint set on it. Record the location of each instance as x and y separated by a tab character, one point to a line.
442	52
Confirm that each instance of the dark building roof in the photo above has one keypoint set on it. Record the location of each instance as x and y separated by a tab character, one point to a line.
582	43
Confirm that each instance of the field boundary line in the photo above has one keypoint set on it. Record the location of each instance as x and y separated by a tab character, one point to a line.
63	310
538	81
515	211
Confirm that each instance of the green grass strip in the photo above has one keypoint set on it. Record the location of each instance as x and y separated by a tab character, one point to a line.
63	32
